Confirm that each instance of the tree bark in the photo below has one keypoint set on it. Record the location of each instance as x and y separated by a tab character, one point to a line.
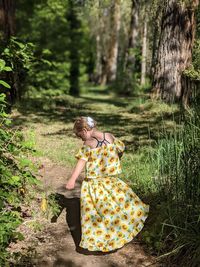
99	43
156	25
7	29
113	51
74	47
98	65
7	18
126	78
144	52
133	35
175	49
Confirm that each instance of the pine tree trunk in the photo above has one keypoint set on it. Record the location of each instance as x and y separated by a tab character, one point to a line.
144	53
113	51
175	49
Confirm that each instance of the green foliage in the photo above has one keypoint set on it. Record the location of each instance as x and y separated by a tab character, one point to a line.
3	67
167	174
19	56
50	32
194	70
15	175
129	74
177	178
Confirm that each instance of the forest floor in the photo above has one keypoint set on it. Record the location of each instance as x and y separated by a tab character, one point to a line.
48	123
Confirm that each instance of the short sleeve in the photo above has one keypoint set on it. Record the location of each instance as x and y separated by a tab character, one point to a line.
120	146
83	153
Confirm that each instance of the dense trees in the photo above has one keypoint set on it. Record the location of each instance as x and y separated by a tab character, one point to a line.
128	44
56	47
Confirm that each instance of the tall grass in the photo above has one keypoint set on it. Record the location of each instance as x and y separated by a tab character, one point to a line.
177	162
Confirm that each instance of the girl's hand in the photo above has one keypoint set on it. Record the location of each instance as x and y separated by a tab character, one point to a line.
70	184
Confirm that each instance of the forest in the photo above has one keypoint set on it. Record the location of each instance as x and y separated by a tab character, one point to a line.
133	66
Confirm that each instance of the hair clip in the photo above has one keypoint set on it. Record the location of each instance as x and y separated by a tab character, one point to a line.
90	122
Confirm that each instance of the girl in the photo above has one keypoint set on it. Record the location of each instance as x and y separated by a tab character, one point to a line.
111	213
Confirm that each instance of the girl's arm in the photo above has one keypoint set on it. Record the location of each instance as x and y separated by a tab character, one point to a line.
75	174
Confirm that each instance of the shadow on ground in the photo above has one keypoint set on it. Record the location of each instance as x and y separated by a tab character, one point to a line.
141	125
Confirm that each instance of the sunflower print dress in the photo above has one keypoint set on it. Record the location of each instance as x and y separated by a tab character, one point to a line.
111	213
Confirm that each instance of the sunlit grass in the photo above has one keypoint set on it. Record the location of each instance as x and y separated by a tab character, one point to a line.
153	162
138	121
53	142
51	120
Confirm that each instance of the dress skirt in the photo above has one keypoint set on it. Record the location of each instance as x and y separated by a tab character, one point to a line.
111	214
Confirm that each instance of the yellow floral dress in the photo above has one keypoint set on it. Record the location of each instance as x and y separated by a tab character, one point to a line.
111	213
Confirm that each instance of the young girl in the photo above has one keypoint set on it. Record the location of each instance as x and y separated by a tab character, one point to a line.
111	213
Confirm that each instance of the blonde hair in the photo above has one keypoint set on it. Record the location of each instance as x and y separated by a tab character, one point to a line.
84	123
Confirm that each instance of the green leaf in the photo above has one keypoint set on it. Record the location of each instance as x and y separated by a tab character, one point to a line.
24	162
2	64
5	84
14	180
18	235
7	122
21	45
6	52
7	69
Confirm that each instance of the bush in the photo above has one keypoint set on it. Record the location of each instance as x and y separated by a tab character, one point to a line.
176	159
16	173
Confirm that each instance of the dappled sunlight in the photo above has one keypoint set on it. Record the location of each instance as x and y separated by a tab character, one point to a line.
132	67
135	128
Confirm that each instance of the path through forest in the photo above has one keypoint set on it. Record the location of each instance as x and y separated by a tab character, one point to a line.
52	129
57	247
55	244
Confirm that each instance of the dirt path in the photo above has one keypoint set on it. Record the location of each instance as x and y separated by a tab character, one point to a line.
56	244
56	247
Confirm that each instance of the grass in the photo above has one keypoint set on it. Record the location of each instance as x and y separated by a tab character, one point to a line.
151	163
51	121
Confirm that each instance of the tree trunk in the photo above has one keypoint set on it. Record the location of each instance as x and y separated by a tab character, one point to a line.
175	49
98	65
74	34
156	21
133	35
144	52
7	18
97	36
7	29
113	51
126	75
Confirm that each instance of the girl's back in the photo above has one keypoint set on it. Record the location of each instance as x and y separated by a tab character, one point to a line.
111	213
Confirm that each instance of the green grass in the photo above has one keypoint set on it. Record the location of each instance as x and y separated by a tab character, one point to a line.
138	121
153	163
51	121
